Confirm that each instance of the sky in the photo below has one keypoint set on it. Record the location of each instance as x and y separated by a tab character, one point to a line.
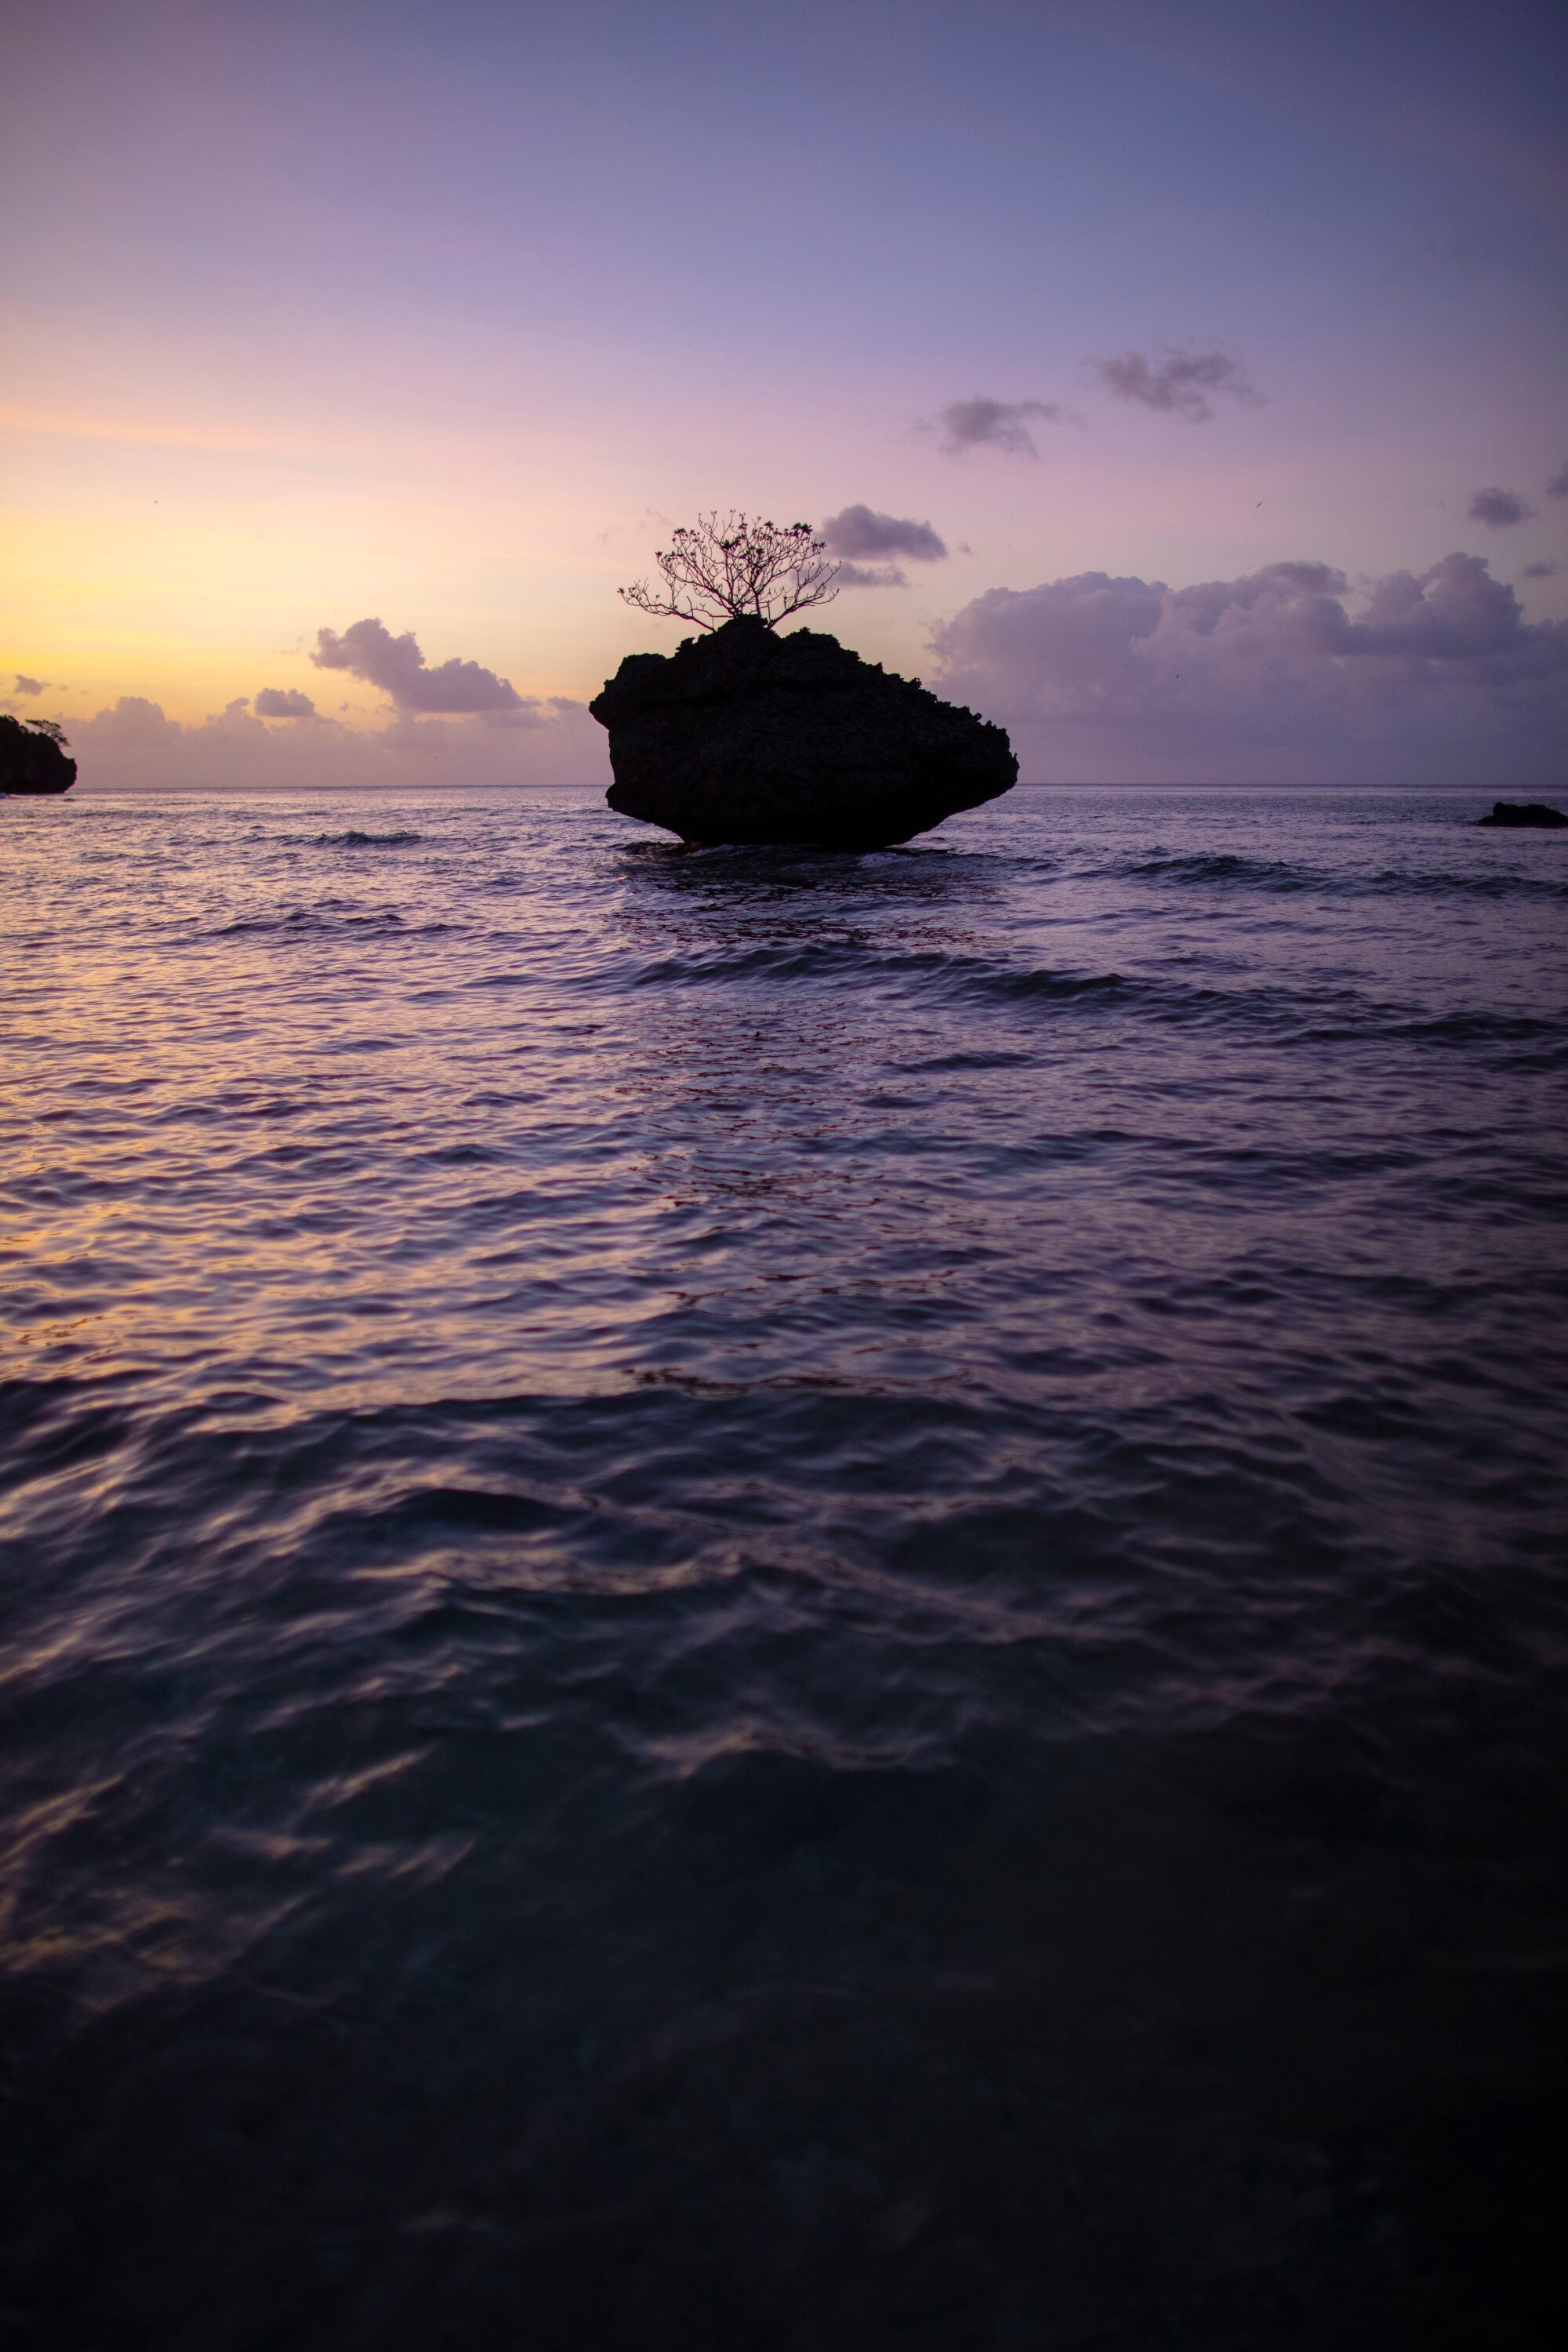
1184	384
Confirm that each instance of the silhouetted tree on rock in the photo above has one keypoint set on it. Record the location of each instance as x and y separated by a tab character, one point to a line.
742	735
731	567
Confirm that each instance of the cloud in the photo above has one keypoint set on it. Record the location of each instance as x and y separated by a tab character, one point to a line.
867	576
982	424
396	666
860	531
1541	570
1269	678
283	702
135	720
1180	385
30	685
135	746
1557	488
1498	507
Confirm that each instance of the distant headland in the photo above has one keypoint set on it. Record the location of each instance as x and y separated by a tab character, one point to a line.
33	757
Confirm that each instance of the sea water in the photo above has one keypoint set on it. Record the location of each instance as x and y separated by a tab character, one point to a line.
759	1602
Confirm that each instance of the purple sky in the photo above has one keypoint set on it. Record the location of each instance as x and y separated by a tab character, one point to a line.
1221	348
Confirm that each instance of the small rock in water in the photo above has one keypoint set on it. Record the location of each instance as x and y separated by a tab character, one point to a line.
744	736
1527	812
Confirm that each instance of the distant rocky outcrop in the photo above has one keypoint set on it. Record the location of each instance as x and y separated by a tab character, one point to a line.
745	736
1525	812
32	760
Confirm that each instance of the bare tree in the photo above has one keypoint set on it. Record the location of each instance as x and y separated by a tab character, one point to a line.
725	566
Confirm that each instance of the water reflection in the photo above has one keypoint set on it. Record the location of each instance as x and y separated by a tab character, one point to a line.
756	1599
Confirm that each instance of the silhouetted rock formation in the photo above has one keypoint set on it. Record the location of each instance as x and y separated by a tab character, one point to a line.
744	736
1530	812
32	763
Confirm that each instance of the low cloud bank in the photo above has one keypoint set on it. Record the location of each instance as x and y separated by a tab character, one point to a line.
458	724
1270	677
135	746
1285	675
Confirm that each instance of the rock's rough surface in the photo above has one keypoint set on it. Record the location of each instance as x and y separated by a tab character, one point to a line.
1526	812
31	763
745	736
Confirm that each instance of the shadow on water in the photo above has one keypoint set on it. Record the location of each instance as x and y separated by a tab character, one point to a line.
756	1044
808	882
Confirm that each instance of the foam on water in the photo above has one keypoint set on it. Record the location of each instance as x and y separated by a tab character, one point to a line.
767	1600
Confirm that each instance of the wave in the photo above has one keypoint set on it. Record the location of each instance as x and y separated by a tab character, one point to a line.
1212	869
352	840
311	919
1277	1012
1217	866
977	978
331	916
830	960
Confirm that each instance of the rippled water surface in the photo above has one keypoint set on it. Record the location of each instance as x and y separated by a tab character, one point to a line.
762	1602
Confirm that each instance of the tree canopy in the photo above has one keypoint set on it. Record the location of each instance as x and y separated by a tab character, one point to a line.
48	726
724	567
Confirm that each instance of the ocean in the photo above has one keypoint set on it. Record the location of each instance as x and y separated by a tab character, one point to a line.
758	1602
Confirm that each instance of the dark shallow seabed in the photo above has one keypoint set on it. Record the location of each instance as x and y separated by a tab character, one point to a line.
767	1603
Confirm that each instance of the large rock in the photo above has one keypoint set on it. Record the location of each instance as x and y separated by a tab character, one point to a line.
745	736
32	763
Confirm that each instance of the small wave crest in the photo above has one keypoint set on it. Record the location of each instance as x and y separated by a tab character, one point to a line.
1223	869
975	980
355	840
331	915
1284	1014
1213	868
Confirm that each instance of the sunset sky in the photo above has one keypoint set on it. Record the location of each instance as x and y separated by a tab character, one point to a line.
321	312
